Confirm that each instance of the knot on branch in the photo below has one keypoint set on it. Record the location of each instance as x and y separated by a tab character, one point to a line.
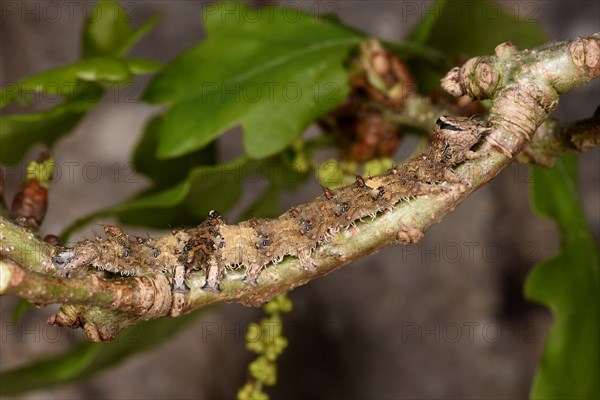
478	78
517	112
97	325
148	296
585	53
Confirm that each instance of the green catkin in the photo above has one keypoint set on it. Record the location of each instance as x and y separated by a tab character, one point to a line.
267	340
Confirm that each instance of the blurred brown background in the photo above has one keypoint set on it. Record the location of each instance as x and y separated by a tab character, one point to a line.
442	319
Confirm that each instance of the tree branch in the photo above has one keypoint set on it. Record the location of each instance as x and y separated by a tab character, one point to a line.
524	87
22	246
553	139
137	295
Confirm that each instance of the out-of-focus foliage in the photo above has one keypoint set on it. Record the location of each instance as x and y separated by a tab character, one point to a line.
86	359
461	29
569	285
79	86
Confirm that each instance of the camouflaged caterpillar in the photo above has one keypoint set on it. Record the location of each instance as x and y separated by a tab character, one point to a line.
215	246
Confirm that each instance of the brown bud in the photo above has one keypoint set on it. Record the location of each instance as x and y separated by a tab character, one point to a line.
386	79
30	203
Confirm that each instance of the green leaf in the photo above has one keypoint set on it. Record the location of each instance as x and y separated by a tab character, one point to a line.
422	31
471	28
426	54
281	170
184	204
87	359
476	28
284	175
22	307
70	80
19	132
107	31
274	76
268	204
218	186
77	83
140	66
137	35
569	285
66	81
167	172
154	207
102	69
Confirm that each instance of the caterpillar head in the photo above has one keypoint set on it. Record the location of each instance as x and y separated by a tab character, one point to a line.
455	136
